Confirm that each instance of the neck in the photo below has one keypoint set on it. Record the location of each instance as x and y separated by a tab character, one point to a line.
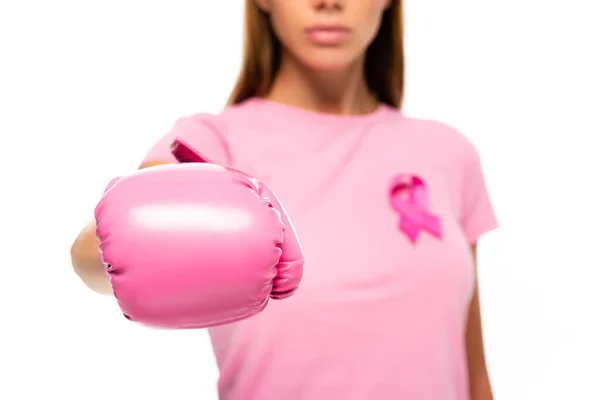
335	92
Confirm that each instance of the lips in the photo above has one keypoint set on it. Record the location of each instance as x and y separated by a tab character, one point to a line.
328	35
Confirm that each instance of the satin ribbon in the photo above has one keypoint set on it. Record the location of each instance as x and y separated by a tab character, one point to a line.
408	197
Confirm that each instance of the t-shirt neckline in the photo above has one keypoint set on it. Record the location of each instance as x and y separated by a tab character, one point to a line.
293	114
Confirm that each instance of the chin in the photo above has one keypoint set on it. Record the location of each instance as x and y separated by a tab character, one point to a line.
329	60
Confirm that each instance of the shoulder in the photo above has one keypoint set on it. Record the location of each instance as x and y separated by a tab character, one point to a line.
219	122
200	122
205	132
436	136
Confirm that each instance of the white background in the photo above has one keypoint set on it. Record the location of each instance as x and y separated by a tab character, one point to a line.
87	86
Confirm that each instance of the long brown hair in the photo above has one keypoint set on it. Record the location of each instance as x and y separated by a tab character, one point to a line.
262	55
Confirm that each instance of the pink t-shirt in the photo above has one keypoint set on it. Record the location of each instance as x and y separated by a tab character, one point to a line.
378	316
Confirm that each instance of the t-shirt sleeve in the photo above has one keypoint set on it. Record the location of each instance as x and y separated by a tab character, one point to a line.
477	213
204	132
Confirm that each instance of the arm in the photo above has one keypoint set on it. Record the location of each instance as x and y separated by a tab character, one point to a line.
480	386
85	257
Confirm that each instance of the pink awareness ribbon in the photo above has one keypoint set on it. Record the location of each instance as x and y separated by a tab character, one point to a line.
408	197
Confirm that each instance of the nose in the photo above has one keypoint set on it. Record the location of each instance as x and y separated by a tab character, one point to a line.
328	5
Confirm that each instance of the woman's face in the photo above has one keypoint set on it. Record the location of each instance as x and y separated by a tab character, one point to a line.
325	35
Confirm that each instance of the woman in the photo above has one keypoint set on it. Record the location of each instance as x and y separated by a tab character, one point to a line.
388	208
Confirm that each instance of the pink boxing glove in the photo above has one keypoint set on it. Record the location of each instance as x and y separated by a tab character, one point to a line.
291	261
195	245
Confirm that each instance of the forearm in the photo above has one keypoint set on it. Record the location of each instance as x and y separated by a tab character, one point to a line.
86	261
85	256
